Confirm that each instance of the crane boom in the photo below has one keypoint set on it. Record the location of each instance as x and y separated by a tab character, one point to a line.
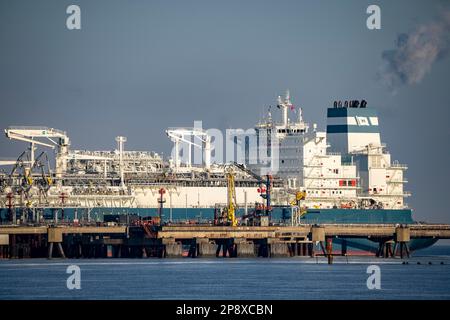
177	135
267	182
30	134
43	136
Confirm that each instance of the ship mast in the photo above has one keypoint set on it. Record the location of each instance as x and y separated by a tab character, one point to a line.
120	143
284	105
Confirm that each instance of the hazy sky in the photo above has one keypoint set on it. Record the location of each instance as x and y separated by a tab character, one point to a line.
138	67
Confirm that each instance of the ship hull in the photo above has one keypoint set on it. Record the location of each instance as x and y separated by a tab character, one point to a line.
368	246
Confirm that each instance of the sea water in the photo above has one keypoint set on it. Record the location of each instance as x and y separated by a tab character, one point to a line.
424	276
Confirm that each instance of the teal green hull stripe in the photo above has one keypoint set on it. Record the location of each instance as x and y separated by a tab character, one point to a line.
358	216
279	214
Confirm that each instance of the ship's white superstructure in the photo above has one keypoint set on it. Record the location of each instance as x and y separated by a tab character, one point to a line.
344	167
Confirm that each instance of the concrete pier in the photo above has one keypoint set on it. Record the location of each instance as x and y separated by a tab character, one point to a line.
207	241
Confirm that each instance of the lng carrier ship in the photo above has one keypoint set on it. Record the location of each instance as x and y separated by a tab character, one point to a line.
288	171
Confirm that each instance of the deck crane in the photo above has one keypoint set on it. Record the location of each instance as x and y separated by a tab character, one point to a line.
52	137
178	135
23	171
46	180
24	179
20	163
27	177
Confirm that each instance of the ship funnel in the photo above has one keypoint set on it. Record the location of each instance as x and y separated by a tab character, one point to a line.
351	129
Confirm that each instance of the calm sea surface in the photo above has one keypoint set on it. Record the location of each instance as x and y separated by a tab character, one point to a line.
426	276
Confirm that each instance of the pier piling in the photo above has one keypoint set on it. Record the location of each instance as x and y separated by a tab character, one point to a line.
402	237
330	250
4	246
75	241
205	248
245	249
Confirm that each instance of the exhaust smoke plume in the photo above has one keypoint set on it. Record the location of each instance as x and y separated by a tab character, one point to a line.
416	52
